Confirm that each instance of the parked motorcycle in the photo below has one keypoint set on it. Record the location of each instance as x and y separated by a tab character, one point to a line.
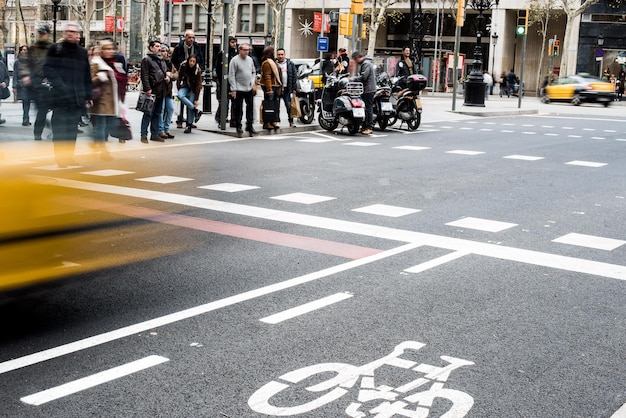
406	100
341	104
383	108
305	91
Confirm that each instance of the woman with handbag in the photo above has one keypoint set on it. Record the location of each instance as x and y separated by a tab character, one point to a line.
107	76
272	89
189	85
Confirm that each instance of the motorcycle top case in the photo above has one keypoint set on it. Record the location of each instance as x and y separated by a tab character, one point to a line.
416	82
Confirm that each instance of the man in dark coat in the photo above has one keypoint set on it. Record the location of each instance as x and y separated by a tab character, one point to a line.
289	79
154	80
67	69
186	48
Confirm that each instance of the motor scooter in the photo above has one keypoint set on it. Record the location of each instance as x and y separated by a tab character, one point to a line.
305	91
383	108
406	100
341	104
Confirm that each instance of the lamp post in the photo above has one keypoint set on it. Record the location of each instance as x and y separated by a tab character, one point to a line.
494	42
268	39
55	9
475	86
600	58
416	34
206	93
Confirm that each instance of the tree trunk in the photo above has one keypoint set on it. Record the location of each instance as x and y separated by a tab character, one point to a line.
152	21
565	47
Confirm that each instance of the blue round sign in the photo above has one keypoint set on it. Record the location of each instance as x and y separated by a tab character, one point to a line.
599	52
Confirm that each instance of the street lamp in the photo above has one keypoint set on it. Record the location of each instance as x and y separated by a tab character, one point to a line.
206	93
55	9
599	57
494	42
268	39
475	86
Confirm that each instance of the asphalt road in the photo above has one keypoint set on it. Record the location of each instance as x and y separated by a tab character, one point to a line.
481	260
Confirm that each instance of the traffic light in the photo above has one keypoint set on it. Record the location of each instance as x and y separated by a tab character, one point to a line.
345	24
550	47
522	22
356	7
556	47
364	30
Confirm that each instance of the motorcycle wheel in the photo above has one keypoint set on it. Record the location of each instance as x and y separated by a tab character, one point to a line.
414	123
353	128
383	122
392	120
307	113
329	125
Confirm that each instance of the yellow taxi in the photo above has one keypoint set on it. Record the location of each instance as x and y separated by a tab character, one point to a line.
580	88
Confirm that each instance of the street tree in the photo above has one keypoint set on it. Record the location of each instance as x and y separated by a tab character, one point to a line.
84	13
377	15
572	9
152	19
541	12
278	11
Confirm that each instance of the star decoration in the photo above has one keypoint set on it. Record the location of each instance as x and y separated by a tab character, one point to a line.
306	28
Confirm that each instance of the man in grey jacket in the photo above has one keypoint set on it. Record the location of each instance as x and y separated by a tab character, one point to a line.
242	81
367	76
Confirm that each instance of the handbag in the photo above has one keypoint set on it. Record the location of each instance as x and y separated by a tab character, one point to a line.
5	93
96	92
145	103
122	130
294	108
269	111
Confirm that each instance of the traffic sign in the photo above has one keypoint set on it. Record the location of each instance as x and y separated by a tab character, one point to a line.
322	43
599	52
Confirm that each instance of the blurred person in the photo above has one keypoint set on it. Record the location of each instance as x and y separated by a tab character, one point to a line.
327	66
168	99
242	81
218	68
32	76
503	84
154	80
189	85
185	48
289	78
343	62
20	91
67	69
4	82
272	86
488	80
367	76
405	66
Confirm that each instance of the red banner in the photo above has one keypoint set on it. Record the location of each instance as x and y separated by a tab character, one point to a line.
317	22
109	23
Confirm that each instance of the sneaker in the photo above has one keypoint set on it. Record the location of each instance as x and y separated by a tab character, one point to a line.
144	139
197	115
37	137
367	132
169	135
156	138
163	135
187	130
179	125
26	123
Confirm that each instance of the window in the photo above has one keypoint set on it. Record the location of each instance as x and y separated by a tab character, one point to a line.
259	18
201	14
244	18
176	24
187	17
99	10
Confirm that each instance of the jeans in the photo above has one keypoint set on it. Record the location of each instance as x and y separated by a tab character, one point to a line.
25	93
242	96
187	97
368	98
154	120
42	102
287	100
65	120
102	128
168	112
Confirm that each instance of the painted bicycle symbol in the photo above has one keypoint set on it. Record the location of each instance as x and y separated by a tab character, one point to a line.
331	381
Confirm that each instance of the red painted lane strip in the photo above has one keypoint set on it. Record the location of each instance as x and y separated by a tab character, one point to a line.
352	252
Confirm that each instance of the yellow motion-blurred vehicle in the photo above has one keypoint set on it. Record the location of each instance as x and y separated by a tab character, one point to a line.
578	89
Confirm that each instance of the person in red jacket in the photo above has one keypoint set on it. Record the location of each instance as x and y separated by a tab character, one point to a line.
189	85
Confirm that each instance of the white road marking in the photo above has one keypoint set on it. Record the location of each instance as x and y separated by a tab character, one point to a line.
481	224
547	134
436	262
361	144
69	388
55	167
315	140
327	136
523	157
586	164
304	198
574	136
578	118
598	137
306	308
590	241
386	210
96	340
506	131
107	173
609	130
164	179
412	148
620	413
228	187
464	152
529	133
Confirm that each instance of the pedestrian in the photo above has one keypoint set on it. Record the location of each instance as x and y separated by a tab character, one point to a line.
503	84
343	62
67	69
488	80
185	48
4	82
367	76
107	77
20	91
242	81
31	73
168	98
154	80
511	81
189	85
289	78
218	69
272	87
327	66
621	77
405	66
